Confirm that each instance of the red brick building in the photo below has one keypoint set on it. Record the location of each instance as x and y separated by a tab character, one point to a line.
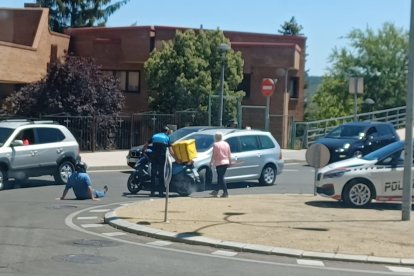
27	46
124	51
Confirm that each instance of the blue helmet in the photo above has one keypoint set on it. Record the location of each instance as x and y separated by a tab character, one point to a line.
80	166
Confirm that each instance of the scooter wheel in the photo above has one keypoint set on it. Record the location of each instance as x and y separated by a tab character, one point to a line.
134	186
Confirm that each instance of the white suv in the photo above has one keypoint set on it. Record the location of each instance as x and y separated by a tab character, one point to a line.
36	148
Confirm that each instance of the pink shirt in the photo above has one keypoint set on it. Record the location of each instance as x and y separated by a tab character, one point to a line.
221	153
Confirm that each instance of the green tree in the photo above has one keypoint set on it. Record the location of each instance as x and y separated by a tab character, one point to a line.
290	27
381	58
76	87
79	13
187	70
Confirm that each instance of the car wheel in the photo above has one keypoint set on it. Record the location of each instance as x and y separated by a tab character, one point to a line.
63	172
206	177
357	193
268	175
3	179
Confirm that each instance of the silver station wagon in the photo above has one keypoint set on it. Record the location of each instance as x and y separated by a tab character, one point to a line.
255	154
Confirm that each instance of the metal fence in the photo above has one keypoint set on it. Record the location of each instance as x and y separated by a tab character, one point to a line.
306	133
123	131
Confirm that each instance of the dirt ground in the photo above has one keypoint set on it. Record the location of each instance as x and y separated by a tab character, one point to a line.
305	222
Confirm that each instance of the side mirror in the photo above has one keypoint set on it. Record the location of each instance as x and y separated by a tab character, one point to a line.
17	143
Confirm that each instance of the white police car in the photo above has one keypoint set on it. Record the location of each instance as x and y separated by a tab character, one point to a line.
377	175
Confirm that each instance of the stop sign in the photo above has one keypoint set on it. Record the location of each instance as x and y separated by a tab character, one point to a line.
268	86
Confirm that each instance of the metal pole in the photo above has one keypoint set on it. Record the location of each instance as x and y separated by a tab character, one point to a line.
408	163
209	110
355	98
221	91
267	113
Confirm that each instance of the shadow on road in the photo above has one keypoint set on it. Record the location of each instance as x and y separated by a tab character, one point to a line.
379	206
32	183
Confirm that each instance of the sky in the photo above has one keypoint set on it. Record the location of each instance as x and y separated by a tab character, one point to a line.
324	22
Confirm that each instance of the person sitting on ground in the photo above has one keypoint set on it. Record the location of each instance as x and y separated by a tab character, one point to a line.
81	184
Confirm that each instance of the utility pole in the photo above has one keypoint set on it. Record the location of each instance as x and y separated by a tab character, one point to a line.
408	163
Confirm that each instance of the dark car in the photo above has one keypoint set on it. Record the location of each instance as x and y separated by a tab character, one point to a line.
357	139
134	152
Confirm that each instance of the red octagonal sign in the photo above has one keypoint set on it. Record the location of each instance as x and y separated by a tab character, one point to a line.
268	86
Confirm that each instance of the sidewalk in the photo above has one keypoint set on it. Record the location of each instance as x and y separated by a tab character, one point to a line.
116	160
293	225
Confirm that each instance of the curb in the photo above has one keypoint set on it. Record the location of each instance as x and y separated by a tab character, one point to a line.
118	223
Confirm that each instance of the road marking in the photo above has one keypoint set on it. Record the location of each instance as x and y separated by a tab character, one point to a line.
310	262
85	218
401	269
91	225
290	170
224	253
160	243
114	234
69	222
99	210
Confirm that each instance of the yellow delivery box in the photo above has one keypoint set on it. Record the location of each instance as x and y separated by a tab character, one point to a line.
185	150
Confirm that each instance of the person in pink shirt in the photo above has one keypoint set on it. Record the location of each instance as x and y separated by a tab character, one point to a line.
221	159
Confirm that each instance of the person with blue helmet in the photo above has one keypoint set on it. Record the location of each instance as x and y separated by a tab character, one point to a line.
160	143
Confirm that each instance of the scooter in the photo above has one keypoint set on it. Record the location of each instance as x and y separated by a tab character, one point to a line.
184	177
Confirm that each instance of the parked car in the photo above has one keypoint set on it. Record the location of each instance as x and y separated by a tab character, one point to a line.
36	148
377	175
255	155
357	139
134	152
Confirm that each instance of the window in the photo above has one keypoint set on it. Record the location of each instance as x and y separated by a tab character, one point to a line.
5	134
234	144
294	87
249	143
385	130
372	131
245	85
27	136
129	81
49	135
266	142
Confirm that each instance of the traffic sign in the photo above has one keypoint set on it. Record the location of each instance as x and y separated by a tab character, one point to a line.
317	155
267	88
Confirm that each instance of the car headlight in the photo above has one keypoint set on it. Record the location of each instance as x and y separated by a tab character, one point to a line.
344	148
335	173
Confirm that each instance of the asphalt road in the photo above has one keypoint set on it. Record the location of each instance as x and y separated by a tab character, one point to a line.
40	235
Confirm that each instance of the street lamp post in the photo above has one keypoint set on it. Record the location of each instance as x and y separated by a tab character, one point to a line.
370	103
223	48
284	73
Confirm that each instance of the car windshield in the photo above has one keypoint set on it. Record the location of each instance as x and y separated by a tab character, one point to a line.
5	134
384	151
180	133
347	131
203	141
